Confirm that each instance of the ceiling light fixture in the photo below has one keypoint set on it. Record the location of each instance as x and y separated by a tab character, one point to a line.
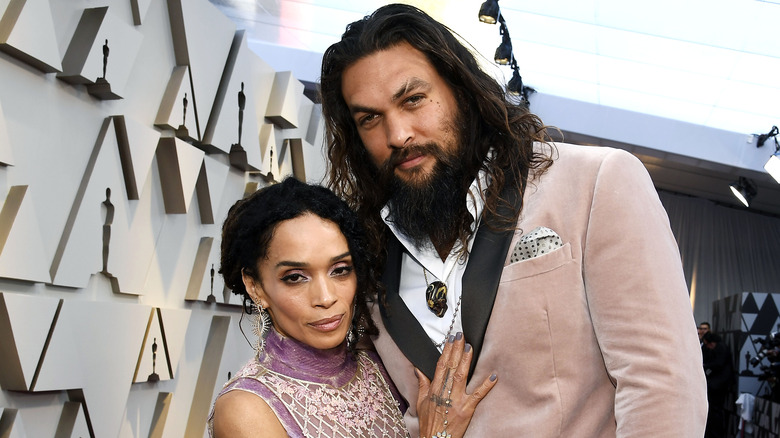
504	54
744	189
488	12
772	165
515	85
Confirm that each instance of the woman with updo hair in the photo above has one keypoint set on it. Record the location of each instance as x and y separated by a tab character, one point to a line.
296	254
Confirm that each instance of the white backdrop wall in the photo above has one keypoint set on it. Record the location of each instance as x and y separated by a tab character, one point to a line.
99	292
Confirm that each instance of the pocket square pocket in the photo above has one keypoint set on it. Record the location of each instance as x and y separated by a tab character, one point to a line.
539	241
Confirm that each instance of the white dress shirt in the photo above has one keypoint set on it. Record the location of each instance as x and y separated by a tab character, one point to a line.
450	271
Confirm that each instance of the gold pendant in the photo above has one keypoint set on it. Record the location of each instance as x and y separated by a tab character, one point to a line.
436	297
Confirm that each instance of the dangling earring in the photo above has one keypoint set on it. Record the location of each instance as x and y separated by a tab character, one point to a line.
355	330
260	326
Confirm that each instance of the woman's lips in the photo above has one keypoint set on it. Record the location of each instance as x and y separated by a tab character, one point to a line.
327	324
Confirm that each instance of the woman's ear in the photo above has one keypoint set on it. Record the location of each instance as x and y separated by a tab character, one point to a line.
252	287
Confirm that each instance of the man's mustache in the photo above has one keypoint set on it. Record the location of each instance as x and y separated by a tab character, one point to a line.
397	156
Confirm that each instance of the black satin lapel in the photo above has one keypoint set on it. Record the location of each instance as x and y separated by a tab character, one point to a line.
482	275
400	323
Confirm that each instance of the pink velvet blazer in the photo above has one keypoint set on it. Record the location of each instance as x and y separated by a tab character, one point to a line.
596	338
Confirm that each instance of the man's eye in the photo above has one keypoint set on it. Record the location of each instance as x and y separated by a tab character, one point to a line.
367	119
415	99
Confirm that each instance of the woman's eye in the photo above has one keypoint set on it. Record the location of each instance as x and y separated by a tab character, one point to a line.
342	270
293	278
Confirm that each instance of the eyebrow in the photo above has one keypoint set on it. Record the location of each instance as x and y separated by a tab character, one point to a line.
292	264
412	84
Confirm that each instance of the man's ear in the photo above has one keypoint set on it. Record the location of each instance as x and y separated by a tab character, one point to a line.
252	287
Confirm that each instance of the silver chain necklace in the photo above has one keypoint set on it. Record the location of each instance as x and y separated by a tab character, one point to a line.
454	313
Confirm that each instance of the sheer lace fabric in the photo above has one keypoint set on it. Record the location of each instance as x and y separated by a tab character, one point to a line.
317	393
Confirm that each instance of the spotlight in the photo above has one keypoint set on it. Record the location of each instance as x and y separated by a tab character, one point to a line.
515	85
504	52
772	166
488	12
744	189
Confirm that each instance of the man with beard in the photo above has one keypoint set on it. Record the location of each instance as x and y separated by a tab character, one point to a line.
556	262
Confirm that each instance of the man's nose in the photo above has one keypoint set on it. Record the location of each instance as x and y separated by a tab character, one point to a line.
399	132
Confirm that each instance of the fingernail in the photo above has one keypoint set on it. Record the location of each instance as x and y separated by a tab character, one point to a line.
451	339
467	348
416	373
493	377
459	336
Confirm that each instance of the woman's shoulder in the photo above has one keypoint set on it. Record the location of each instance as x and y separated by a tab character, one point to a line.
242	414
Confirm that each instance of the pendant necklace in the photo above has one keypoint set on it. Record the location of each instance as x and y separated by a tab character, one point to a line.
436	297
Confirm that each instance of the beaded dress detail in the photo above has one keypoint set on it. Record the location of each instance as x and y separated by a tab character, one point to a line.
320	393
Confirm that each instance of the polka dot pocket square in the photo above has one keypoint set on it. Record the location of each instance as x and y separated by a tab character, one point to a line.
537	242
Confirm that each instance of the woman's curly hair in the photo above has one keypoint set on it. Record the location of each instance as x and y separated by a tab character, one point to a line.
249	228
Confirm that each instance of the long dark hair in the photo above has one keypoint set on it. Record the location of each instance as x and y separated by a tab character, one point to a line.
249	228
491	122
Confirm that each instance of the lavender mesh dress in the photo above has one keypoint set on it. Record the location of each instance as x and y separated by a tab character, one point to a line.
317	393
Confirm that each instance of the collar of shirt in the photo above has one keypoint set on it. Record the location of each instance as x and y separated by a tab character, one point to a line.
415	262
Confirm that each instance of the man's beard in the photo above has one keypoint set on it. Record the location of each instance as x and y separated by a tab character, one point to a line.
431	208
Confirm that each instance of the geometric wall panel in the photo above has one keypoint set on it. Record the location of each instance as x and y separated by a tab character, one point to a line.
248	76
285	98
204	52
316	130
137	145
270	143
209	187
284	161
160	415
152	361
174	323
6	153
72	423
175	110
207	377
179	165
199	273
105	231
295	146
27	33
313	162
743	320
25	321
139	8
162	345
94	348
72	338
9	426
22	255
101	41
